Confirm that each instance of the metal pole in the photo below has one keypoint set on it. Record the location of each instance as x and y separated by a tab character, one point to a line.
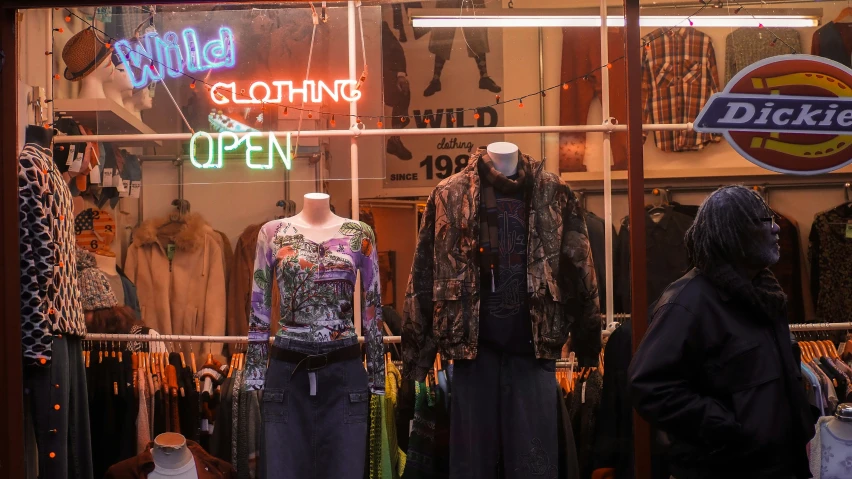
379	132
191	338
607	168
700	188
636	199
353	110
541	117
49	62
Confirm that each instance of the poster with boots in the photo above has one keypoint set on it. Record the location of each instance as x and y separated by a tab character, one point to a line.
437	78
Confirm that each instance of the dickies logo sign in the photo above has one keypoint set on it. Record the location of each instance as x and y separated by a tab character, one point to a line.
790	114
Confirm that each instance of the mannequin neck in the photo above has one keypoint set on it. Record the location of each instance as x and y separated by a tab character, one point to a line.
117	95
92	86
107	264
841	429
316	212
165	456
504	156
38	135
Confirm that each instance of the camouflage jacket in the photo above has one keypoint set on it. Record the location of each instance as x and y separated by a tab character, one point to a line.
442	299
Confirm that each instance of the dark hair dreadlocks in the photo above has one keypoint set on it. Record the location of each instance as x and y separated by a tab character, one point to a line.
723	227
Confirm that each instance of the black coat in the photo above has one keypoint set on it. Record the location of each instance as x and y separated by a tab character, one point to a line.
720	378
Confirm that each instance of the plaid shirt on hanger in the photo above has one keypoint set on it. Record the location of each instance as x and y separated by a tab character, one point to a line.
678	76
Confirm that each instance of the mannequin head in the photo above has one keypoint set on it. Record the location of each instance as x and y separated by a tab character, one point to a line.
734	226
140	100
93	84
120	89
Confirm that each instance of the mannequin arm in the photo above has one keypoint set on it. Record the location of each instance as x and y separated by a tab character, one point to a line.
418	340
261	304
371	311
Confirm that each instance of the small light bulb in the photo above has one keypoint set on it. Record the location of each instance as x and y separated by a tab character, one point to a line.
68	19
521	103
476	116
379	124
565	86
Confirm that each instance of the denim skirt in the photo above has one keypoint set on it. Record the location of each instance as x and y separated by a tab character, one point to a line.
319	436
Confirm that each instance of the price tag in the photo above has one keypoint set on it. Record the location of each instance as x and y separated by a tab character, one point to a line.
849	230
72	153
95	175
77	164
124	189
135	189
108	177
583	394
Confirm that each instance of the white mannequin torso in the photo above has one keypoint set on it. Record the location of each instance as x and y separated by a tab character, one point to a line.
171	463
505	157
316	222
92	85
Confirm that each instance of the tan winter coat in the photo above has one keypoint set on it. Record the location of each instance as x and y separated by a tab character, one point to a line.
186	295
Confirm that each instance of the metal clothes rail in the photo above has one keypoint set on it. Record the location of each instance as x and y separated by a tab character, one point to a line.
820	326
359	132
766	185
189	338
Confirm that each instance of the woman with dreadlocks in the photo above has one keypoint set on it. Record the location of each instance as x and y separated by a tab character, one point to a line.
717	372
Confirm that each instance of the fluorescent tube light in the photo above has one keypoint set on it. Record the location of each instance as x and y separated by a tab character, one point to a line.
484	20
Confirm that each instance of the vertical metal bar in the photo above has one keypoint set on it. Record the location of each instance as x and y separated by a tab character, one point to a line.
607	168
636	200
49	62
353	110
542	119
353	146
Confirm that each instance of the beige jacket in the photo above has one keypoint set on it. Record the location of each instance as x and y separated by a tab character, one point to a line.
187	294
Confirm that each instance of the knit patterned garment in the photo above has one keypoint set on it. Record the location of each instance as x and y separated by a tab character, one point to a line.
745	46
50	299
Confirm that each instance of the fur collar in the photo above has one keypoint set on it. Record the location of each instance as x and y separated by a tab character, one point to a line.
763	294
188	237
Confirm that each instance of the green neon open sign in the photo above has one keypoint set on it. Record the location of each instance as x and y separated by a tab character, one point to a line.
229	141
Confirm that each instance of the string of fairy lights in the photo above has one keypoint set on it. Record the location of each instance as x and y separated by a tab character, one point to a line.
647	42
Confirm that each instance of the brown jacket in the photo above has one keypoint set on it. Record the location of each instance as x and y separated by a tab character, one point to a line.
207	466
442	299
187	294
239	282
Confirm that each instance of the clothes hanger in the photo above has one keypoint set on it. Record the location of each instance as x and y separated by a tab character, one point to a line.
659	210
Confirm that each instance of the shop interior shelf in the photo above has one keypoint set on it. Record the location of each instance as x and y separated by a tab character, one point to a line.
105	117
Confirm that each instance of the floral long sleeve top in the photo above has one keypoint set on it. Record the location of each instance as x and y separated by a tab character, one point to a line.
316	282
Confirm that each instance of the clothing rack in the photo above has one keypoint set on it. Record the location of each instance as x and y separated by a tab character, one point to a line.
189	338
698	188
820	326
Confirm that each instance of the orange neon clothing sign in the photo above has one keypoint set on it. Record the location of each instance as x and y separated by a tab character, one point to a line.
285	91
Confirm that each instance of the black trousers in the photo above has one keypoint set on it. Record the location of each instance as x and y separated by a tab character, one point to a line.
503	420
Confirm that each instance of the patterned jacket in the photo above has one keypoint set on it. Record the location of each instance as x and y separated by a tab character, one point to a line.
442	298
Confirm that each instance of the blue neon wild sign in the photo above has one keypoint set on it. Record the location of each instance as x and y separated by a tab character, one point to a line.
153	56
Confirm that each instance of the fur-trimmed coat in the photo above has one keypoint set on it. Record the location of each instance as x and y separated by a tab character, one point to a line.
187	294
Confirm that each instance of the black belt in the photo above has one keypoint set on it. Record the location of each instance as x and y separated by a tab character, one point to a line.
315	362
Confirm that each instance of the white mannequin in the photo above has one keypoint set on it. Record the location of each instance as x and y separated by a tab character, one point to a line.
92	85
120	89
316	221
505	157
172	459
140	100
841	429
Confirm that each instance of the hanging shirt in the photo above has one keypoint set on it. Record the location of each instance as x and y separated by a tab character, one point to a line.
678	76
50	299
748	45
316	281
